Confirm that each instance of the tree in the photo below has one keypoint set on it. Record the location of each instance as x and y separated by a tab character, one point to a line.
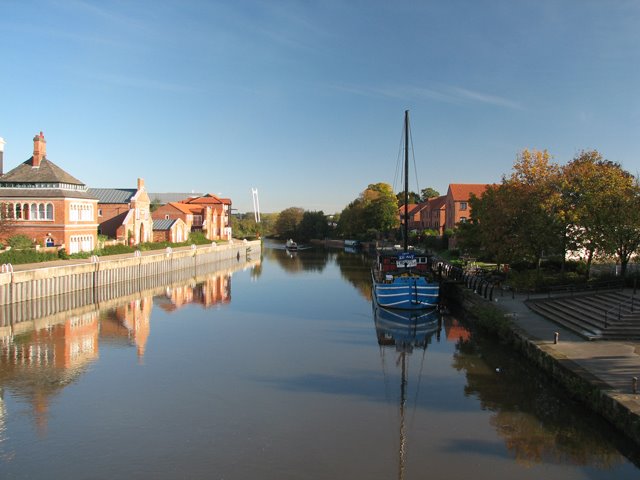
154	205
287	223
621	234
519	219
583	191
413	198
427	193
600	205
375	210
352	221
313	225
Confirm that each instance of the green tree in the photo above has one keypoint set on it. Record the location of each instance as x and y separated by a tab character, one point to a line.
600	205
520	218
427	193
375	210
621	234
313	225
286	225
154	205
414	198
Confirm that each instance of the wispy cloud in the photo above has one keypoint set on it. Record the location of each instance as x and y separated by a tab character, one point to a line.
447	94
95	10
464	93
141	83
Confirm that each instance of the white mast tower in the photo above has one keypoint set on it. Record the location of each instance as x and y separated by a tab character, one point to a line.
256	205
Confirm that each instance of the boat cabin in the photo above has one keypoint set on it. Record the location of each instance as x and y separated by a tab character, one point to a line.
400	262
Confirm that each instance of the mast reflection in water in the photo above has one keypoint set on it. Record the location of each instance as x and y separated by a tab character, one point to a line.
404	331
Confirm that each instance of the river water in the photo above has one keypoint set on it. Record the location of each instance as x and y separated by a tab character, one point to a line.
276	370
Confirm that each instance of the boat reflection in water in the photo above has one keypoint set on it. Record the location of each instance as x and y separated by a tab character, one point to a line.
404	330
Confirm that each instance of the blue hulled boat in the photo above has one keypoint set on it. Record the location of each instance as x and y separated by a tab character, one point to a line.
402	276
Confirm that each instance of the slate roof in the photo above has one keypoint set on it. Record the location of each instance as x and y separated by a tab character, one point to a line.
113	195
165	198
47	172
163	224
20	182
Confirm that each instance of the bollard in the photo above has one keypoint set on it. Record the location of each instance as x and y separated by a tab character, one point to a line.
556	337
634	384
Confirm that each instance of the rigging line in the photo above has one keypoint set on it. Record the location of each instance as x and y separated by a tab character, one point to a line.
399	170
415	166
415	400
384	375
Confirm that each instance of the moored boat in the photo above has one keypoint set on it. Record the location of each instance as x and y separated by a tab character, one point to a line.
401	275
291	245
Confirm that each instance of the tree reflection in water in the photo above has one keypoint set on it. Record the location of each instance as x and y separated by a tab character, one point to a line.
537	421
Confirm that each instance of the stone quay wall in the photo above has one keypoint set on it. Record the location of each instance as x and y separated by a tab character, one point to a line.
93	274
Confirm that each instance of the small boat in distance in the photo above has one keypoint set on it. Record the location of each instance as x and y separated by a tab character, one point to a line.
291	245
401	275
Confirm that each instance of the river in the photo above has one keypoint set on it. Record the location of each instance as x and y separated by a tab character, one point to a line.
276	370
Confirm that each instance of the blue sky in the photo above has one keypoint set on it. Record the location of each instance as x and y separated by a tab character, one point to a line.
304	100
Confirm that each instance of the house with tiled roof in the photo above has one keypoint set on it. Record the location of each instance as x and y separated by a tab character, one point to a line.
457	209
124	213
42	201
213	212
208	214
174	211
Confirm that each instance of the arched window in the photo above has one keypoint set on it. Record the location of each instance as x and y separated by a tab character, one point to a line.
25	211
49	211
18	210
41	214
33	211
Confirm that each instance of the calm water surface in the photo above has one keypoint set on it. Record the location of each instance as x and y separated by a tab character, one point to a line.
278	371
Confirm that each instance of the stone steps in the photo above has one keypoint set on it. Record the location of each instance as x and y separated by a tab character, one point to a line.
605	316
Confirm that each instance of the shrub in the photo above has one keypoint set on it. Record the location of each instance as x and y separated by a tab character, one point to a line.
117	249
198	238
20	241
17	257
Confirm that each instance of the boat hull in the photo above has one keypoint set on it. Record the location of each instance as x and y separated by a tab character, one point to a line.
402	327
406	293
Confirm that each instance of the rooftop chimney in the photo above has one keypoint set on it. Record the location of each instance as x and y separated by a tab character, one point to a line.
2	142
39	150
140	184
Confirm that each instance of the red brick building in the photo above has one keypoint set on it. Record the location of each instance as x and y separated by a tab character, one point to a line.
40	200
124	213
457	202
207	213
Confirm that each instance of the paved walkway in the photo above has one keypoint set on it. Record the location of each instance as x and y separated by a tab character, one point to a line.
613	364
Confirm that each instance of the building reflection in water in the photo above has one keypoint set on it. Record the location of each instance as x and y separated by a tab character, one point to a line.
38	364
40	357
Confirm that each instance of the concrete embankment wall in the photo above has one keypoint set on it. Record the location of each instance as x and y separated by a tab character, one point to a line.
578	382
39	313
43	282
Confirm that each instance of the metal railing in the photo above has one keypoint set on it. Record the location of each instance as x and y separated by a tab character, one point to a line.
630	303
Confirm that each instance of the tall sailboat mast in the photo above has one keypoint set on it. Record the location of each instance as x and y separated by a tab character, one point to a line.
406	180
